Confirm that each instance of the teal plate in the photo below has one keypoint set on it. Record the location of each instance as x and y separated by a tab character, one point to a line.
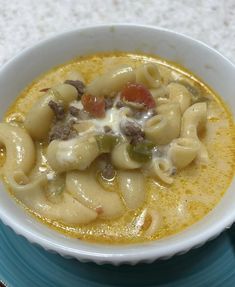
25	265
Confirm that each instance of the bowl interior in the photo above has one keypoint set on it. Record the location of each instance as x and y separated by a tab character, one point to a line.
204	62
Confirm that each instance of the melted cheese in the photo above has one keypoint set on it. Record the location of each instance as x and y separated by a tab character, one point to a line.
112	119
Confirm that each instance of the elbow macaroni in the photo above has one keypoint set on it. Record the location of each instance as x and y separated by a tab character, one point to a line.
155	221
77	153
121	159
179	94
183	151
156	129
38	120
172	112
148	75
164	127
161	169
193	121
86	189
109	83
32	194
132	187
20	151
70	211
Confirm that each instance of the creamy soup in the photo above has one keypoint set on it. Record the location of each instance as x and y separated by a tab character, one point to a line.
117	148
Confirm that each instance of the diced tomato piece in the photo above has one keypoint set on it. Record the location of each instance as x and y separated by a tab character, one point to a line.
133	92
94	105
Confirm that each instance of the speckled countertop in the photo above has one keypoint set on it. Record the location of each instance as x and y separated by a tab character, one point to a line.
25	22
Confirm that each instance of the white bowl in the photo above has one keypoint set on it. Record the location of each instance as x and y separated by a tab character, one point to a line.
206	63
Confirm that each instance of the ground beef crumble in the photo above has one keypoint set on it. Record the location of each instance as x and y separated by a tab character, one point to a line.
133	131
129	128
79	113
58	110
108	103
62	131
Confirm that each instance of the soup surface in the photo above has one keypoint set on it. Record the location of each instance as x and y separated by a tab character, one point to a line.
117	148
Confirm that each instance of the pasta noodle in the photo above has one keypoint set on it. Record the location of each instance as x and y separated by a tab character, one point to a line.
156	129
70	211
148	75
132	188
121	158
183	151
85	189
109	83
172	112
77	153
20	152
165	126
179	94
39	118
159	92
155	222
32	193
161	168
19	182
193	121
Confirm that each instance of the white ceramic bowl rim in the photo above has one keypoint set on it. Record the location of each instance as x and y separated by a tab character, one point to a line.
123	253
